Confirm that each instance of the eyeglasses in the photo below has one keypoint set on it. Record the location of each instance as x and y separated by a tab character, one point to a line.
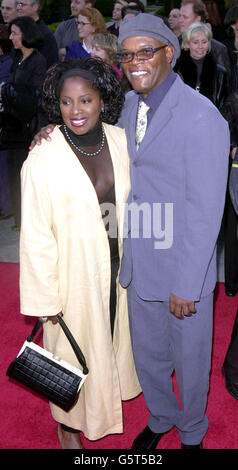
20	4
142	54
81	23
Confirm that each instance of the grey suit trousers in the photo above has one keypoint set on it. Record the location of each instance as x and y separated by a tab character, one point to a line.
163	344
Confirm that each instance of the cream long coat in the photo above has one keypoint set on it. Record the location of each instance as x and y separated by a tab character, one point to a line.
65	265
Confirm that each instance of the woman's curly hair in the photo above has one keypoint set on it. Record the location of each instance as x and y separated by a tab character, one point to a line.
105	82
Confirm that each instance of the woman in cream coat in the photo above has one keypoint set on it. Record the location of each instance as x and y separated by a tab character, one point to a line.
65	263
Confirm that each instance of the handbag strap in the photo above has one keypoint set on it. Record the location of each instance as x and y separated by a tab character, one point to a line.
69	336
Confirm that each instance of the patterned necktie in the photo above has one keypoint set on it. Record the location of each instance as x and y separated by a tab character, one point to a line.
141	123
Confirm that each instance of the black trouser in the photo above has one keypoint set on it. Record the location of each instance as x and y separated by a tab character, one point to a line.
231	360
230	219
113	294
16	158
231	281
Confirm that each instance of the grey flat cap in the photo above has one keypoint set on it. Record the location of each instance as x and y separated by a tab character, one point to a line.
152	26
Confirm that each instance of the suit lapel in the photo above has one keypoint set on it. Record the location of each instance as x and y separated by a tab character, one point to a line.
131	129
161	118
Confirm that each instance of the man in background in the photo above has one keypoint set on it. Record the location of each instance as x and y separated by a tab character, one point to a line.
8	10
116	16
130	11
173	21
32	8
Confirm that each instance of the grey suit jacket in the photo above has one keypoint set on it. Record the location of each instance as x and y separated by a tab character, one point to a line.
178	185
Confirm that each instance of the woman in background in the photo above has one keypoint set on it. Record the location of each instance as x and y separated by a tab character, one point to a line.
90	21
105	47
5	69
21	101
197	66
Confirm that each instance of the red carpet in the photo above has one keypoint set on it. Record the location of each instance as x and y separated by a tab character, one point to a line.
26	421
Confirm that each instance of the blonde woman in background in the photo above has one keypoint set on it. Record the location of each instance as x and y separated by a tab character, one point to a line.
105	47
197	66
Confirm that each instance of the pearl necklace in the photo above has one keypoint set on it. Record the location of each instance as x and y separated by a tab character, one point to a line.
93	154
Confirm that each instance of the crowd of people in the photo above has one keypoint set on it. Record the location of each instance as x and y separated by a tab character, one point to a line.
100	121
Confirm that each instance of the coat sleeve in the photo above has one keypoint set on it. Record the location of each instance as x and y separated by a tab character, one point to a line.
206	157
59	35
39	291
75	50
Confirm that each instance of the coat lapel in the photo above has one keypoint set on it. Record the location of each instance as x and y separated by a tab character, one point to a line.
86	186
131	129
120	161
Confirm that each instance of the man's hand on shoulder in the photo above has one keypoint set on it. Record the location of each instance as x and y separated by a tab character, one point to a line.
42	134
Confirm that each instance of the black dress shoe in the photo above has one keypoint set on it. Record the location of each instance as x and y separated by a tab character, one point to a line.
232	387
147	439
196	446
230	291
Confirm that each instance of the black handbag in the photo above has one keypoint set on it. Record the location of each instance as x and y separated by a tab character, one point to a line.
54	378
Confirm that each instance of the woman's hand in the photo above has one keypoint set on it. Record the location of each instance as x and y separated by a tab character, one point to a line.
53	318
42	134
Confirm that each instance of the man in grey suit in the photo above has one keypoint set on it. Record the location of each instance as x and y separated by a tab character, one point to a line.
179	160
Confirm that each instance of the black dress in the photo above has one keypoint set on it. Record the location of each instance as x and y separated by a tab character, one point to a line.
106	195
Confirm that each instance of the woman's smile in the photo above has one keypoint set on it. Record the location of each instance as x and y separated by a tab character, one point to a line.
78	122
